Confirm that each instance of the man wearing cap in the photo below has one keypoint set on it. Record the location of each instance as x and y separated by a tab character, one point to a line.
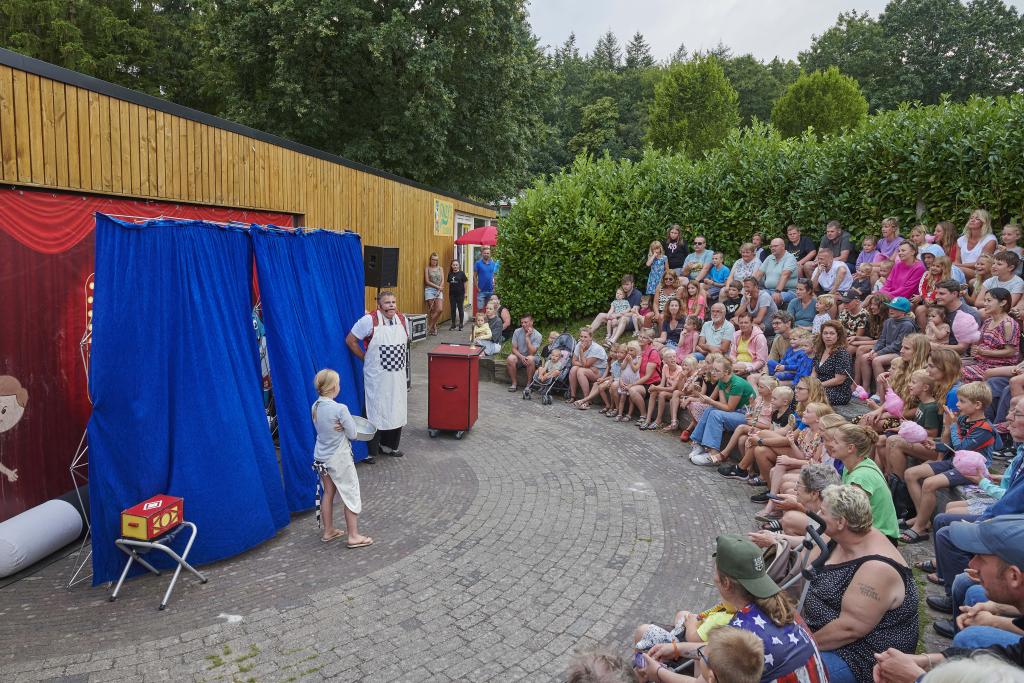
952	560
899	324
997	546
947	295
790	653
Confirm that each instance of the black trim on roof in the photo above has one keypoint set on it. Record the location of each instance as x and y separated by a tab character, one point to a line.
80	80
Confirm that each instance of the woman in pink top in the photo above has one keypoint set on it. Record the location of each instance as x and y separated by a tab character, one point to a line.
907	271
754	355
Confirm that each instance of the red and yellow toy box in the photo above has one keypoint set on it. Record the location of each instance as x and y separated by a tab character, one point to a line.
152	517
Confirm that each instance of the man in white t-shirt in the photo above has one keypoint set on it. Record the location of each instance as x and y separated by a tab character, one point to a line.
1004	265
385	333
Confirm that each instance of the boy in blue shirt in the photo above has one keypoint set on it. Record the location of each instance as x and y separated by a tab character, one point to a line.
717	277
969	431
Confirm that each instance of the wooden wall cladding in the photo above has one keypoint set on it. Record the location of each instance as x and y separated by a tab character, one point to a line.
61	136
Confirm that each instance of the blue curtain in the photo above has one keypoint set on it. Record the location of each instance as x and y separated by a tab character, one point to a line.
176	390
311	288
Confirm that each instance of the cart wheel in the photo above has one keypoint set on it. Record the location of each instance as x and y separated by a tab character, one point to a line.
205	581
162	607
433	433
112	598
459	435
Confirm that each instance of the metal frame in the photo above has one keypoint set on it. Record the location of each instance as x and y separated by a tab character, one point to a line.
130	547
79	469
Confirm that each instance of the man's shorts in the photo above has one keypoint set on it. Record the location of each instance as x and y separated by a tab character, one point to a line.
945	468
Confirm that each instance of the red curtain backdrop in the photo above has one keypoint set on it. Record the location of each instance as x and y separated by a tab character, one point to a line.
46	258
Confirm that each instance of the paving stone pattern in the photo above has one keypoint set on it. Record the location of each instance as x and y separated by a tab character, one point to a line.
545	530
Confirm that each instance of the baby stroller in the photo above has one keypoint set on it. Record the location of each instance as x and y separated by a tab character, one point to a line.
791	570
560	382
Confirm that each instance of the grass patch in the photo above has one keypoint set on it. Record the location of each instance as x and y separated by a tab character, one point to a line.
253	651
215	661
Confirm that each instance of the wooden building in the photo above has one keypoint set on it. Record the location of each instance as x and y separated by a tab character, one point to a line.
71	145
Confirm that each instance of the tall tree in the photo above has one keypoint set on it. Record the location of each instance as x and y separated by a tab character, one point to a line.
756	84
826	101
694	108
607	53
680	55
599	129
402	85
638	53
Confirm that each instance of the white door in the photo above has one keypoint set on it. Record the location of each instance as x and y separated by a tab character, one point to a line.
465	252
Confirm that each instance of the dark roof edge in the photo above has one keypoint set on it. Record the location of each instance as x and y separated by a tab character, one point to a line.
80	80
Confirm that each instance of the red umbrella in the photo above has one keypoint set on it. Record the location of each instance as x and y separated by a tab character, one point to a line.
486	235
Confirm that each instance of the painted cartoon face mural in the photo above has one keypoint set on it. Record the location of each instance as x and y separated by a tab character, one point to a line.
13	399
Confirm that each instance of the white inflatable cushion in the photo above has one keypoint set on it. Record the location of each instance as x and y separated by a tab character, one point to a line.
35	533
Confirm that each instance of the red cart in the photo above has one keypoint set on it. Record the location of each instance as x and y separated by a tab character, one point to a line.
453	372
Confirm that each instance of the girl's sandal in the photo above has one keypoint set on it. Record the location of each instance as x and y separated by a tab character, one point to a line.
671	427
652	426
583	405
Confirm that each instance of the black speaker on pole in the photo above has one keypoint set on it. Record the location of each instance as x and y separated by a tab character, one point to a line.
380	266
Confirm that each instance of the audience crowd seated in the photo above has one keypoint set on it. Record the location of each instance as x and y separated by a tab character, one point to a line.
747	361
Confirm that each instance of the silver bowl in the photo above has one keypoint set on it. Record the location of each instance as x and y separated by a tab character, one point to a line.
364	428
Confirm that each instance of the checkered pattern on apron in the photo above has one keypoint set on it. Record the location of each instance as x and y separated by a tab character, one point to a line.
392	357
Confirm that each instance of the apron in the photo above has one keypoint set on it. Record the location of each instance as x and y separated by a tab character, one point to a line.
384	375
342	471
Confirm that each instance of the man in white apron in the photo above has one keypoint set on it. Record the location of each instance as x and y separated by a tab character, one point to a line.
385	335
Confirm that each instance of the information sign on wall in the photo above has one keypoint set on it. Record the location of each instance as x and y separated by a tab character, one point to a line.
444	218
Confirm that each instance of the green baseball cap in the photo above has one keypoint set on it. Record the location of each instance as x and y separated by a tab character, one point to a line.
739	559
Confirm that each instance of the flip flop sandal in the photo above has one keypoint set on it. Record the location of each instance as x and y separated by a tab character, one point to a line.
934	578
338	533
769	517
583	406
910	536
361	544
927	566
671	427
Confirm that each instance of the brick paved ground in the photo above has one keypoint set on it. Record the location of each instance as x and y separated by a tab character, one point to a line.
546	529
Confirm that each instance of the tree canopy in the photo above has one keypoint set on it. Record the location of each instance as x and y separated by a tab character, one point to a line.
826	101
694	108
460	95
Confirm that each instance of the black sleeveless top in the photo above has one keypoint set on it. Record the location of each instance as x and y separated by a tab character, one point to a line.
898	627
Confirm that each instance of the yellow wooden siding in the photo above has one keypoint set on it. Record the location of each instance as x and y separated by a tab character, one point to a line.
60	136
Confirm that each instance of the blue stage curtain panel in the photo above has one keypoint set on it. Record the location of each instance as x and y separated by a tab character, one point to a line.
311	288
176	389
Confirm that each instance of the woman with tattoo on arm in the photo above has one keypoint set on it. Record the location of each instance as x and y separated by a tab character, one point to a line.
864	599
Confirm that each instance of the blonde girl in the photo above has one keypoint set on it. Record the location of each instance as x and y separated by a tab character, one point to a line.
433	280
606	382
919	235
685	385
689	337
656	261
805	445
690	401
914	353
332	460
939	270
982	272
630	373
768	445
661	393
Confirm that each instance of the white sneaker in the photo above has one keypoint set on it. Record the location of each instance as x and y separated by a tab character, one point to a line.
701	458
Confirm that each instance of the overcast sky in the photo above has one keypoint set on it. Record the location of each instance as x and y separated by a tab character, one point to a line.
765	28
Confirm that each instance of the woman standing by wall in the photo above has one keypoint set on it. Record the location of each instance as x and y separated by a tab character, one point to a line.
457	293
433	277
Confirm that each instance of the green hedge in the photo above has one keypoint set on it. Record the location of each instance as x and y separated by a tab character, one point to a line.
570	237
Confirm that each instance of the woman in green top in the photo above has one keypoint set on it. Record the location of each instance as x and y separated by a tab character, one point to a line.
725	411
852	445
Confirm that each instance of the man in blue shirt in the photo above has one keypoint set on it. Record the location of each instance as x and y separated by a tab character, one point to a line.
486	269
